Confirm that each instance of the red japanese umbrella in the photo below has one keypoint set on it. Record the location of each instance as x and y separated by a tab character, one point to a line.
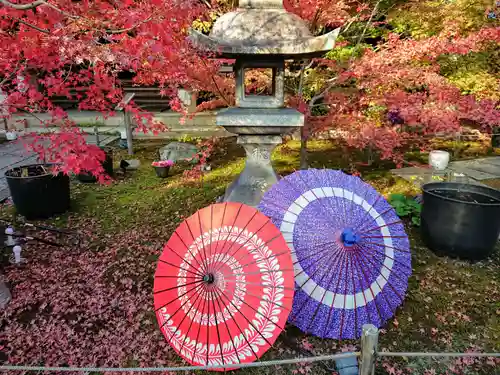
224	284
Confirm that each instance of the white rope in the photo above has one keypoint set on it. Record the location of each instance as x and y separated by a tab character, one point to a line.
422	354
185	368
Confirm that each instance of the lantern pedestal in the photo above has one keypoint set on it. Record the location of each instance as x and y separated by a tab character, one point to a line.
259	132
258	175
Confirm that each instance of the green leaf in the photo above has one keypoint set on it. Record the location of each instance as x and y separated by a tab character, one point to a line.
416	220
402	211
397	198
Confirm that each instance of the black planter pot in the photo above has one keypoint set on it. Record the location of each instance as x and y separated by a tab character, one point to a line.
460	220
107	164
40	194
162	172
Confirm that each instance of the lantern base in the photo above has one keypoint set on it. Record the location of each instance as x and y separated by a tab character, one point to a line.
259	131
258	175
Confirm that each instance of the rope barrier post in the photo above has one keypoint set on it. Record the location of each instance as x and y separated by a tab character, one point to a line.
369	341
127	121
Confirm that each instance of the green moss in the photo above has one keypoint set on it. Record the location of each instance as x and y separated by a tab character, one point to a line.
449	305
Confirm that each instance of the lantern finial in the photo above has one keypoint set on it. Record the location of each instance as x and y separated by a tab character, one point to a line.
261	4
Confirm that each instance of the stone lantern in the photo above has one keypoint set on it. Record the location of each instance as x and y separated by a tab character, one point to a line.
260	34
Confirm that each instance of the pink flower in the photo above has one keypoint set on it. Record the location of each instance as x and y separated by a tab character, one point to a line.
163	163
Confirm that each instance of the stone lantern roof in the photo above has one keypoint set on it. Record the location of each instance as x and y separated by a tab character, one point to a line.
265	28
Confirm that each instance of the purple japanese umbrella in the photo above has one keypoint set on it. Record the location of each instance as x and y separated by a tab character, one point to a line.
350	251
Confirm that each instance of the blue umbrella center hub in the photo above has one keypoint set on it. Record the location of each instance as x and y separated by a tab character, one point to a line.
349	237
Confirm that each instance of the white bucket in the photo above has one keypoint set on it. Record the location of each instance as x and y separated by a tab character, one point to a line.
439	159
11	136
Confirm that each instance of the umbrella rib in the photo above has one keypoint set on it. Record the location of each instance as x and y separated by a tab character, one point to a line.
387	281
254	250
350	255
199	330
333	299
360	268
384	236
181	258
238	236
198	296
367	213
175	276
342	312
228	331
333	261
211	229
317	198
321	187
249	322
217	327
267	258
259	297
203	268
218	256
176	299
325	254
202	241
185	269
381	226
220	230
381	290
235	281
176	311
261	272
379	215
310	255
327	222
264	200
200	299
332	275
248	239
237	325
208	329
187	247
381	252
343	201
177	287
391	247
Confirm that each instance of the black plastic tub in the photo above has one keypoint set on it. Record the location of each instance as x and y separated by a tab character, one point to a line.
36	192
460	220
107	164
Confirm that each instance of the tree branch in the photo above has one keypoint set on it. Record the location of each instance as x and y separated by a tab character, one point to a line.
315	98
36	4
119	31
27	6
45	31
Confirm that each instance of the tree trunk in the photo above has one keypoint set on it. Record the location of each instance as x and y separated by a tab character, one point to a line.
5	295
303	150
303	133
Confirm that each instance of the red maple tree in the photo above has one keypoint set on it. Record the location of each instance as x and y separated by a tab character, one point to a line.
77	49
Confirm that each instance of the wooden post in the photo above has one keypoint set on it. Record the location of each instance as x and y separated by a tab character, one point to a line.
5	295
128	128
369	341
127	121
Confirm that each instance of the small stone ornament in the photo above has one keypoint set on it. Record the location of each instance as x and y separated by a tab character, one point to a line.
16	257
10	241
